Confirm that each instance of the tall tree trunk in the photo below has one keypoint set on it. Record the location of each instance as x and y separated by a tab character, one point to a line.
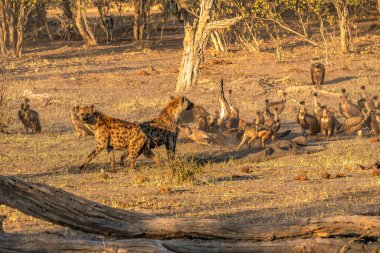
3	28
42	15
194	43
342	10
20	29
13	18
2	45
88	28
11	26
136	19
139	18
78	23
193	47
85	32
101	16
4	18
68	13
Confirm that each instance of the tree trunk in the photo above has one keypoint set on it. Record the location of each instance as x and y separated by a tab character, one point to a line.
3	8
20	29
85	32
68	13
11	26
14	14
215	42
142	19
342	10
139	18
68	210
2	45
3	29
101	16
88	28
136	19
220	42
39	21
42	15
194	43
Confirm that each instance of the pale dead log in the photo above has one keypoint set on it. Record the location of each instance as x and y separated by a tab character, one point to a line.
49	243
66	209
52	243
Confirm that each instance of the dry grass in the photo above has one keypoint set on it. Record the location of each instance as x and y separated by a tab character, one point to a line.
240	191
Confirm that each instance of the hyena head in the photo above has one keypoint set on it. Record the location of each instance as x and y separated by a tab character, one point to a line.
87	114
178	105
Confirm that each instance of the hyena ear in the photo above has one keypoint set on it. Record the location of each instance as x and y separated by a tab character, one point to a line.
76	108
171	97
183	100
92	108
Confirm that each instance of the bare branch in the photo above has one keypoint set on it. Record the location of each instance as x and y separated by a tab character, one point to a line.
285	27
222	24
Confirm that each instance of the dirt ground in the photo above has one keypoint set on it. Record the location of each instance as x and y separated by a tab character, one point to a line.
134	84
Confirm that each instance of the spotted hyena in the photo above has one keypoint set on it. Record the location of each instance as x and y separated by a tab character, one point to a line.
112	134
164	129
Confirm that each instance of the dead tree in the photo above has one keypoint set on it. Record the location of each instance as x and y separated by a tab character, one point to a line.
194	43
13	16
341	7
140	18
53	243
81	24
39	20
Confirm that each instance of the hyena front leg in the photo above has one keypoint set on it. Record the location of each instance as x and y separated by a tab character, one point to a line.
99	148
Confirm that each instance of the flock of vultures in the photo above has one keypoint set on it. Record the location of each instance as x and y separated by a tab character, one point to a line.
212	128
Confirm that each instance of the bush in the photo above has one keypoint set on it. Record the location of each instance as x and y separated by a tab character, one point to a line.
185	169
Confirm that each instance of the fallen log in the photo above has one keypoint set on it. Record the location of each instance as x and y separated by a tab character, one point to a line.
67	209
53	243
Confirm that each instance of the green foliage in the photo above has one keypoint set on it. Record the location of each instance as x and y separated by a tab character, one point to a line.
185	170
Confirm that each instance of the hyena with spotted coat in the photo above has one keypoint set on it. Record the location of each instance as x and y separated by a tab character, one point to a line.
111	133
164	129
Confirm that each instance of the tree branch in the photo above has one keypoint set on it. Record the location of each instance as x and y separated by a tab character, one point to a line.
222	24
287	28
